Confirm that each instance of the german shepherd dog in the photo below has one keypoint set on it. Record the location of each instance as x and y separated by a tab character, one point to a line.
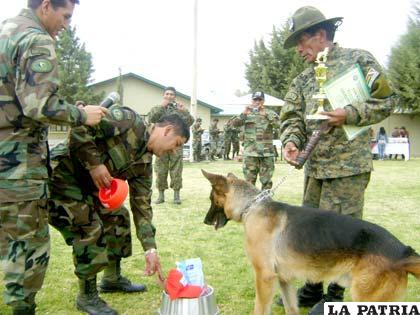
285	242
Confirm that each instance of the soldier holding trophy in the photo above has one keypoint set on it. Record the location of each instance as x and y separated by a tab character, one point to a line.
338	170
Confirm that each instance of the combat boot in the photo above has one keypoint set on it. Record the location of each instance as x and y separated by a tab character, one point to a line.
308	295
24	310
161	198
335	293
89	301
177	198
113	281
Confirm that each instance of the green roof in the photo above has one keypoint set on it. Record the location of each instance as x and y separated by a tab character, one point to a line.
213	109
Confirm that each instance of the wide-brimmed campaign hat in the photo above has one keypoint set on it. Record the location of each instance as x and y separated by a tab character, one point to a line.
303	19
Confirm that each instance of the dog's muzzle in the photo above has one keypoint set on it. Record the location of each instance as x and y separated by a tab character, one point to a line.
216	217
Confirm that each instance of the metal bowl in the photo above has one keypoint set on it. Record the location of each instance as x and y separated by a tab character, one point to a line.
203	305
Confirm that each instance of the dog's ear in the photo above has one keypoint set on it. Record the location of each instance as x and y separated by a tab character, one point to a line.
231	178
219	182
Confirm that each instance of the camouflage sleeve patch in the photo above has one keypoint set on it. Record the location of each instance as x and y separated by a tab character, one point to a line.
117	114
41	66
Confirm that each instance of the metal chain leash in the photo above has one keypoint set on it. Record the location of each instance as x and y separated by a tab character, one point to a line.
270	192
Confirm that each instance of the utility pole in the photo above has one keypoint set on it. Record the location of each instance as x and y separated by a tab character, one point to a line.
194	82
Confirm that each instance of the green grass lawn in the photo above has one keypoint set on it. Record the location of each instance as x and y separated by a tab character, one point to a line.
392	201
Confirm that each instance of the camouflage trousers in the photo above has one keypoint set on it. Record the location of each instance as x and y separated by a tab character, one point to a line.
235	147
169	163
264	166
96	234
25	249
344	195
228	144
197	151
213	147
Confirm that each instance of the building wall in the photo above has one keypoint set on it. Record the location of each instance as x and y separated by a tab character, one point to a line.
410	122
142	96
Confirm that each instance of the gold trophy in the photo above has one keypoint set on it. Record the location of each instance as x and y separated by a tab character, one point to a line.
321	77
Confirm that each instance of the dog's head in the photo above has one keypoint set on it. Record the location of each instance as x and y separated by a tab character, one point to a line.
217	215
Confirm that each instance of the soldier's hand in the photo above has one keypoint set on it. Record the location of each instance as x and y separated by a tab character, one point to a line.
247	110
337	117
153	265
94	114
165	102
180	106
100	176
290	153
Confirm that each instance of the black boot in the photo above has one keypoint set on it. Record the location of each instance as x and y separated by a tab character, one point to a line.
24	310
335	293
161	198
177	198
113	281
89	301
308	295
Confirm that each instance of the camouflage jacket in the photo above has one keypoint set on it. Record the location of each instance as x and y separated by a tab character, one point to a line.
214	132
235	134
159	111
258	132
335	156
228	130
28	101
120	143
197	131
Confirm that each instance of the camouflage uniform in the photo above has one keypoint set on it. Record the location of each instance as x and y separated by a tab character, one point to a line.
227	129
258	146
335	158
169	162
214	139
235	141
28	102
96	234
197	132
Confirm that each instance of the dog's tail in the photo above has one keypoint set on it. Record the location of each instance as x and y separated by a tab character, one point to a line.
411	265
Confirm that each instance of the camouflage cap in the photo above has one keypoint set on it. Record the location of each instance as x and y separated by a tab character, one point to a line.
258	95
303	19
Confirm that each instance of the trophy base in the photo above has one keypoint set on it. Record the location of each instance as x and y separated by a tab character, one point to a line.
317	117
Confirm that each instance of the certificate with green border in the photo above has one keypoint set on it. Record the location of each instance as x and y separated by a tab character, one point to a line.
347	88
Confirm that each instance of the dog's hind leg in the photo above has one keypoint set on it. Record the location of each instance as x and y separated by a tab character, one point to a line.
373	280
288	293
265	281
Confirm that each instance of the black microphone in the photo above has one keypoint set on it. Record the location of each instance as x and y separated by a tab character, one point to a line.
111	99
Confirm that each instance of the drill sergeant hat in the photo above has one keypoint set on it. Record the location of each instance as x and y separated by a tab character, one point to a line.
303	19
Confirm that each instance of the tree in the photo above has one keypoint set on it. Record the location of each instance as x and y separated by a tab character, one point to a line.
404	65
75	69
273	68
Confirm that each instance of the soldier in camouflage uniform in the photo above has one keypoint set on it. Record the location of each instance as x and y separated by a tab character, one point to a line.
170	162
235	141
121	147
197	133
214	138
227	136
28	103
338	171
258	123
